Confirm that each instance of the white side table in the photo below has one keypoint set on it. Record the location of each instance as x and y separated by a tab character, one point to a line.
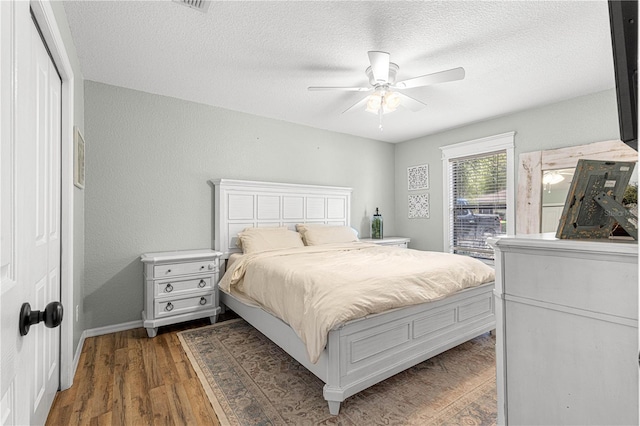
180	286
389	241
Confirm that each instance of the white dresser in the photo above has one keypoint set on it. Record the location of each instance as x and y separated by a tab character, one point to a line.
567	331
402	242
179	286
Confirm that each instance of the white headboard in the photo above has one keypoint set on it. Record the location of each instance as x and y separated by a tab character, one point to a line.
240	204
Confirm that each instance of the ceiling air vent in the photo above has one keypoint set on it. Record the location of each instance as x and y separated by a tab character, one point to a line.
201	5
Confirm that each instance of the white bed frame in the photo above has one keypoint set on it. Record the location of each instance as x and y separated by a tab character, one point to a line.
362	352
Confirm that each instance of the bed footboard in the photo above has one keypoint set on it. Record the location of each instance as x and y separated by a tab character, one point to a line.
366	351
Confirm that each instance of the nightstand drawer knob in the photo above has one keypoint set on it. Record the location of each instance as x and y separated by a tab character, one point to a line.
168	288
203	301
211	266
168	271
202	283
169	307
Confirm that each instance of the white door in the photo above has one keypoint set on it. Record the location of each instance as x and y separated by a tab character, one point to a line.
30	108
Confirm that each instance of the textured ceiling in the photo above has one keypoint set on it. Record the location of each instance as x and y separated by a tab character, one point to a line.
260	57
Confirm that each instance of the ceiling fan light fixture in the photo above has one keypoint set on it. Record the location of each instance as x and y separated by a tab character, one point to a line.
386	100
373	104
552	177
392	100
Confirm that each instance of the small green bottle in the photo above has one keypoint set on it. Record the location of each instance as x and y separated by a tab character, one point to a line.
376	226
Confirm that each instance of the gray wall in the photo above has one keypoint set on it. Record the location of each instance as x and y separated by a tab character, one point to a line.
148	160
577	121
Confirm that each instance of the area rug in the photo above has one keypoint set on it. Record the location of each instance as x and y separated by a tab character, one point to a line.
251	381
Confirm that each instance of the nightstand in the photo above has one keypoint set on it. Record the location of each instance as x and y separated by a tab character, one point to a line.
389	241
179	286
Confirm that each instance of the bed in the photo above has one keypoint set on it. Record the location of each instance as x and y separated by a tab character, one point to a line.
360	352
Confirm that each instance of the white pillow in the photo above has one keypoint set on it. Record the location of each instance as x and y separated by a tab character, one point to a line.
253	240
318	234
258	230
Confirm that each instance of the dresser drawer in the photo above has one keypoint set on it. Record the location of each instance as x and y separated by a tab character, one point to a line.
182	286
608	285
174	269
170	307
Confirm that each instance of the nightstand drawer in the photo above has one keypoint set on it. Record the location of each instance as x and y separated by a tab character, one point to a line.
401	245
178	287
173	269
169	307
401	242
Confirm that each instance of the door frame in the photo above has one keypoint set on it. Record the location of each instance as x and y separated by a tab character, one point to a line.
47	22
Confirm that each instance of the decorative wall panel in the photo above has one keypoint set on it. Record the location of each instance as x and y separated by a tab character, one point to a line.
419	206
418	177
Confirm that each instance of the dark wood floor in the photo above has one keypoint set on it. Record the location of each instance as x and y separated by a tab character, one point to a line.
125	378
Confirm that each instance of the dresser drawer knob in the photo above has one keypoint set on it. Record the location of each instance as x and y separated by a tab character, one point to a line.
202	283
169	307
168	271
168	288
203	301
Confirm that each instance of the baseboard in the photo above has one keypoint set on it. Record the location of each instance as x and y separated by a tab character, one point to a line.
76	356
92	332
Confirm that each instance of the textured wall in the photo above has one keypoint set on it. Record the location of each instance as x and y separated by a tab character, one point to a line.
577	121
149	158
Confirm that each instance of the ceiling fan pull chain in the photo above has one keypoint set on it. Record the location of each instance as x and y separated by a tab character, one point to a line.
380	117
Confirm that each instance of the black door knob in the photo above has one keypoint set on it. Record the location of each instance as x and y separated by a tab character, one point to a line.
52	316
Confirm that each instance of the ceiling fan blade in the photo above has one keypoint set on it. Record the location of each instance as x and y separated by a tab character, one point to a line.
360	103
379	66
410	103
344	89
429	79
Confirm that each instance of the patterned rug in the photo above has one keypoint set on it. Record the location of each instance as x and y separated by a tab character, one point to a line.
251	381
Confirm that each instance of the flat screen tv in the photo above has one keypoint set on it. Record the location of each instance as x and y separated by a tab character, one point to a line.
623	20
593	204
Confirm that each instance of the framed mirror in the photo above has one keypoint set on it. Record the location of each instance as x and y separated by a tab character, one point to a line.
538	165
555	186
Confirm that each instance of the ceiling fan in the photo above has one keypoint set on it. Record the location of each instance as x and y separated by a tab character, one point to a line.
382	80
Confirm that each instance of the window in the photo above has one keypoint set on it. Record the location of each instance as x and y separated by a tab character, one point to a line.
478	194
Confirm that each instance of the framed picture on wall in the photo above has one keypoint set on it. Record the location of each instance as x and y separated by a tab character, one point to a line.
78	159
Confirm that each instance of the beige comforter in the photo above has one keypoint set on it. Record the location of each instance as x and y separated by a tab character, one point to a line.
316	288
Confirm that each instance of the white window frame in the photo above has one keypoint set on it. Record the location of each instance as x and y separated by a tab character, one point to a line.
487	145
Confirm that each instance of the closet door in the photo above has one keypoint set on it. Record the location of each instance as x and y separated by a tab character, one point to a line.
30	113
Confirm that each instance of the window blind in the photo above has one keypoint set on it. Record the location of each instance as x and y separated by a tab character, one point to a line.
477	203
